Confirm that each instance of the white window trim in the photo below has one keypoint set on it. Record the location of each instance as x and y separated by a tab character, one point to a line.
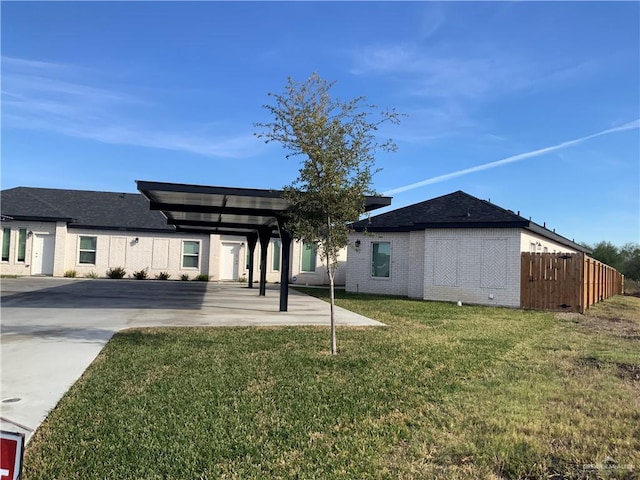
182	267
17	249
301	259
10	242
380	279
95	258
273	253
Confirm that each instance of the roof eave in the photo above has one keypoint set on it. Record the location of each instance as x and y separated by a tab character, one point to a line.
553	236
34	218
121	228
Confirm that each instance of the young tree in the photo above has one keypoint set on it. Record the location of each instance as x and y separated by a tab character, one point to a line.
337	140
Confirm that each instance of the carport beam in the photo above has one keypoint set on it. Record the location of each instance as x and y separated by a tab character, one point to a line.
265	237
285	269
252	240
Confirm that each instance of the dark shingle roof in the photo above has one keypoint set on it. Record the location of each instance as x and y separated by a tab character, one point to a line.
80	208
455	210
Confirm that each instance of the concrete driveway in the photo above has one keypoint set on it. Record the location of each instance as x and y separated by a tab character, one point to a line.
53	328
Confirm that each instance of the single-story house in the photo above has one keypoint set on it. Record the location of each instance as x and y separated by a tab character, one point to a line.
52	231
452	248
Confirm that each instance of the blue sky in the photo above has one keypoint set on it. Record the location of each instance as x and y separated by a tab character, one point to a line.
533	105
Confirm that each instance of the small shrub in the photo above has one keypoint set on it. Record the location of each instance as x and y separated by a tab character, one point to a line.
141	275
202	278
184	277
163	276
116	272
91	274
243	279
70	274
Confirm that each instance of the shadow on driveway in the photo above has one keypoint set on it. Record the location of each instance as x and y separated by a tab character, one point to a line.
17	333
106	294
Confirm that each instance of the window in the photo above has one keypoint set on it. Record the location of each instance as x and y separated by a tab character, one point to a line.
309	251
22	244
87	250
276	256
190	254
6	243
380	258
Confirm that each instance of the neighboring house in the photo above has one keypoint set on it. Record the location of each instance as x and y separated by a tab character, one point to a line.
51	231
451	248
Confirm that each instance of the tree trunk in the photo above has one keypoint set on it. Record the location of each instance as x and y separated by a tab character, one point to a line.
331	271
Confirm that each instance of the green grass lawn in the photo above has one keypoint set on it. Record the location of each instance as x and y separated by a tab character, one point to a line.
442	392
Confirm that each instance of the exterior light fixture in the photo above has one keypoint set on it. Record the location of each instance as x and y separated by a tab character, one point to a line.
357	243
136	240
29	233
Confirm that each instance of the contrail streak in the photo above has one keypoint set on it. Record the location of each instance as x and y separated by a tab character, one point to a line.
514	158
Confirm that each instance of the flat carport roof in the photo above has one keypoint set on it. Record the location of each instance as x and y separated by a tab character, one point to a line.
257	214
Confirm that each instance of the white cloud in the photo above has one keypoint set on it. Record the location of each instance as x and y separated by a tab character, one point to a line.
447	89
59	98
430	72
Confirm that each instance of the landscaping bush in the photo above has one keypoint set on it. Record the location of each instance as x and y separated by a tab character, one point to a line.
163	276
116	272
91	274
141	275
202	278
184	277
70	274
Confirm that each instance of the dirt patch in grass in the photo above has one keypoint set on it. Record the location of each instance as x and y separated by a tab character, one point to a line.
629	372
631	375
618	307
618	316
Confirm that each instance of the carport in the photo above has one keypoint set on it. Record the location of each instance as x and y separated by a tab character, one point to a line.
256	214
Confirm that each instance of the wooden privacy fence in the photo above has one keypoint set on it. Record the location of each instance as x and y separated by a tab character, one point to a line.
568	282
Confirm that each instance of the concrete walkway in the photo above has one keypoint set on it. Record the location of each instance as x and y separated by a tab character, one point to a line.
53	328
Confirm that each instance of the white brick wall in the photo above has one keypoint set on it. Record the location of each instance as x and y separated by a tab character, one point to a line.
481	277
157	252
359	277
479	266
415	276
120	249
12	266
61	245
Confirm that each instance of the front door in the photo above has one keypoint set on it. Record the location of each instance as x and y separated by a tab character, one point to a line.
42	255
229	261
